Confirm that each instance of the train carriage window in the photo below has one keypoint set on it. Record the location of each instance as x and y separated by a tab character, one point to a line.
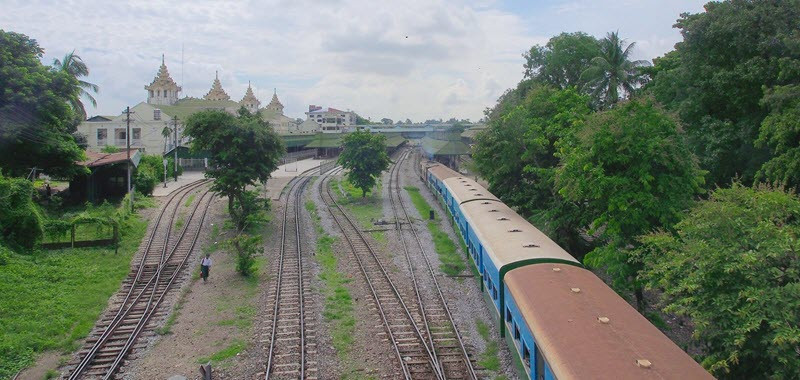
526	355
516	332
508	315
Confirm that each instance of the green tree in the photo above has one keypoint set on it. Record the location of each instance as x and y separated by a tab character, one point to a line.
562	60
36	120
633	170
247	247
516	154
242	151
781	132
364	155
733	267
612	71
717	77
73	65
166	133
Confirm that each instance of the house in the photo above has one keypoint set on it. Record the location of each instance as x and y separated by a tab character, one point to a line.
332	120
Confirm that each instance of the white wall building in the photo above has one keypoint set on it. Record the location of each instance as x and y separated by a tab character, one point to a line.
332	120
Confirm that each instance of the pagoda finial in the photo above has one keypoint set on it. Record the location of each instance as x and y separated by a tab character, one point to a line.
162	58
274	91
216	73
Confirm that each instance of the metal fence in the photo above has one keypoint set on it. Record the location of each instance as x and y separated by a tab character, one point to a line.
299	155
326	166
193	164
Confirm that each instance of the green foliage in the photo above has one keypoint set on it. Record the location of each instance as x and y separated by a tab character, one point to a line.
781	132
5	254
36	119
109	149
145	180
451	263
253	208
247	247
50	300
633	170
716	78
243	150
73	65
612	70
733	266
22	221
561	62
516	154
228	352
364	155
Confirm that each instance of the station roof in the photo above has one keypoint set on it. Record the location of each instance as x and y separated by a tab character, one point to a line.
509	238
334	140
97	159
586	319
445	147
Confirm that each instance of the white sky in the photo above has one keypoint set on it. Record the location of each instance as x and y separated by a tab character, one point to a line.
417	59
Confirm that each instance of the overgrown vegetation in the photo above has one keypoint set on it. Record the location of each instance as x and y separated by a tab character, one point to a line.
488	358
338	302
51	299
451	263
247	247
228	352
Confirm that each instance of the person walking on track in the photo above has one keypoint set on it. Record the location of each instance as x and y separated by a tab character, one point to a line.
205	267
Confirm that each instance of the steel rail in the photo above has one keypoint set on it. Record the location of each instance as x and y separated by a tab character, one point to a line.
332	204
398	227
298	184
122	312
146	317
446	308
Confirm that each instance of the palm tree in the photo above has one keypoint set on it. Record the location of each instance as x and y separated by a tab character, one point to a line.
73	64
613	71
166	132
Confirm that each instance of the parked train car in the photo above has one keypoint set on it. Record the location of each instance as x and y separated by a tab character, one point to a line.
564	321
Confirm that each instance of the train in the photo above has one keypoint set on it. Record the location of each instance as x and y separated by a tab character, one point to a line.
564	322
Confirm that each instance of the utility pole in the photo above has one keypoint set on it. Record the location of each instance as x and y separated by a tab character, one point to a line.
128	143
175	130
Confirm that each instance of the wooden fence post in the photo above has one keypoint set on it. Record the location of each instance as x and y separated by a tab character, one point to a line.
72	236
116	239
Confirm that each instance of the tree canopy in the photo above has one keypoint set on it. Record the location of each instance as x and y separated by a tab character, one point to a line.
733	266
517	156
364	155
242	151
36	119
717	77
562	60
613	70
73	65
633	170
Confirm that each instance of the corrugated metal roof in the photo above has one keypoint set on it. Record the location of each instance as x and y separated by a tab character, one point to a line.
95	159
444	147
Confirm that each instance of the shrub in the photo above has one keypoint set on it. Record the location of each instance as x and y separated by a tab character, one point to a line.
22	221
145	180
247	248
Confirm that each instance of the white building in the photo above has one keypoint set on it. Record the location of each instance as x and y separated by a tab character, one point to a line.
332	120
164	108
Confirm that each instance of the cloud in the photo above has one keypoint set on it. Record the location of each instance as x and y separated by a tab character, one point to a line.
417	59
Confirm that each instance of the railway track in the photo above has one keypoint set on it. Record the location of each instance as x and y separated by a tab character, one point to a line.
409	341
161	258
447	345
292	338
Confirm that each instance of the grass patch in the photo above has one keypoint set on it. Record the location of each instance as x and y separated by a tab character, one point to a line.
451	263
338	301
228	352
365	210
189	200
488	359
167	328
243	319
51	299
180	221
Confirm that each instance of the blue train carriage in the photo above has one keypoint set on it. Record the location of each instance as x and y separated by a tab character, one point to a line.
436	174
567	324
460	191
503	241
